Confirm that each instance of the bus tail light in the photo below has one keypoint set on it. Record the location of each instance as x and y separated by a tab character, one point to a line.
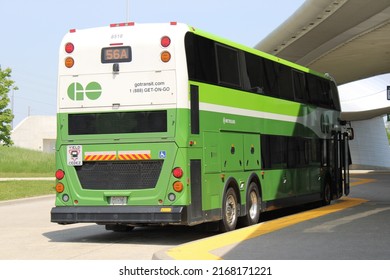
69	47
165	56
177	172
69	62
60	174
165	41
60	187
178	186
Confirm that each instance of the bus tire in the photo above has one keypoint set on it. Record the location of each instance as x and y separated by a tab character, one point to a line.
253	206
326	193
229	211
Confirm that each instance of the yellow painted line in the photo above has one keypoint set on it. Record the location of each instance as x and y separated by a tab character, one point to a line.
200	250
361	181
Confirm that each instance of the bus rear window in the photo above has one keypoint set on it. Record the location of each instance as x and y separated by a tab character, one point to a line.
118	122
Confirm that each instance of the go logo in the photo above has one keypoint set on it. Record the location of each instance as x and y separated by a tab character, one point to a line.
77	92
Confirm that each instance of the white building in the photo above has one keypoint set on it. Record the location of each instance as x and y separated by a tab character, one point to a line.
365	103
36	133
370	146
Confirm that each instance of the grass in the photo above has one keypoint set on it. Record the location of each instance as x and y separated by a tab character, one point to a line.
388	135
19	162
22	189
24	163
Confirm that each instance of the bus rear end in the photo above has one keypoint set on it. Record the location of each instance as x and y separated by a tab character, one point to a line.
122	97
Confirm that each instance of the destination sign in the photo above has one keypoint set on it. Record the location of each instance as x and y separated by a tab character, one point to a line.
116	54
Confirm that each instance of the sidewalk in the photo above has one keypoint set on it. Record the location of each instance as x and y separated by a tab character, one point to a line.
364	169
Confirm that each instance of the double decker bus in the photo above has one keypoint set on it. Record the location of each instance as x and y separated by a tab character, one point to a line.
164	124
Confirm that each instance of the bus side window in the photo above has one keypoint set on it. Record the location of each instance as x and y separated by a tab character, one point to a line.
270	70
335	96
325	95
285	82
228	66
265	152
254	70
274	151
319	91
299	86
201	61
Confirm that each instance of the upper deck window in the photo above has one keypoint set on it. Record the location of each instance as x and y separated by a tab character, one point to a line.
228	66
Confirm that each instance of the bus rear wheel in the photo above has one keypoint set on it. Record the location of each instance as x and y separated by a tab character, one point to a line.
229	211
253	206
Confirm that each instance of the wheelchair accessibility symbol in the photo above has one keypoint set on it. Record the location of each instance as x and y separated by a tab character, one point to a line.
162	154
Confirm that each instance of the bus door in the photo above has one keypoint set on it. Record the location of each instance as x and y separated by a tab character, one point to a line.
333	160
340	160
345	161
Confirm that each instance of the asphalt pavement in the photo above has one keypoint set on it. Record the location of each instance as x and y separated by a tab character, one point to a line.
352	228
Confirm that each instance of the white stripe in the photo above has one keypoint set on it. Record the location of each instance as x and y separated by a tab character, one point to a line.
249	113
310	120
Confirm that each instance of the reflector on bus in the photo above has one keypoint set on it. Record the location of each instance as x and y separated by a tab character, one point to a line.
165	56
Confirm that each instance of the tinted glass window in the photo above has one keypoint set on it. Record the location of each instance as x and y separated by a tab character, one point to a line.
215	63
201	61
228	66
299	85
118	122
254	71
319	91
280	152
271	72
285	82
335	96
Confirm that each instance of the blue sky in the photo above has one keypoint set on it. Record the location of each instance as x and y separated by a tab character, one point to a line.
32	31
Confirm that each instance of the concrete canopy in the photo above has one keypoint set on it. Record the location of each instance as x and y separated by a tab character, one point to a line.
350	39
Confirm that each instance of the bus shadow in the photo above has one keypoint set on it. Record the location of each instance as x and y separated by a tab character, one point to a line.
153	235
280	213
164	235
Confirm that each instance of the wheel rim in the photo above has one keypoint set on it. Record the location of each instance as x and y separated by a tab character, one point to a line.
254	205
231	210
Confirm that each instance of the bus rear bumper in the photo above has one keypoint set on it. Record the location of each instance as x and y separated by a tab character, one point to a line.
133	215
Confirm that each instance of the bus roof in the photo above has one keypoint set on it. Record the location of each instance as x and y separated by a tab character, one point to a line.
189	28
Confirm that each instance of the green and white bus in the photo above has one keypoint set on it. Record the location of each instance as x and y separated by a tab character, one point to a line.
164	124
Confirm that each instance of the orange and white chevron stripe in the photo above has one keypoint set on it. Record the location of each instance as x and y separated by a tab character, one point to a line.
134	155
100	156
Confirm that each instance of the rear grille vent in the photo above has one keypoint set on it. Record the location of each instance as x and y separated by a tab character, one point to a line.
130	175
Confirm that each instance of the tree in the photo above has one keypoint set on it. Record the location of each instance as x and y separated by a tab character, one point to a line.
6	114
